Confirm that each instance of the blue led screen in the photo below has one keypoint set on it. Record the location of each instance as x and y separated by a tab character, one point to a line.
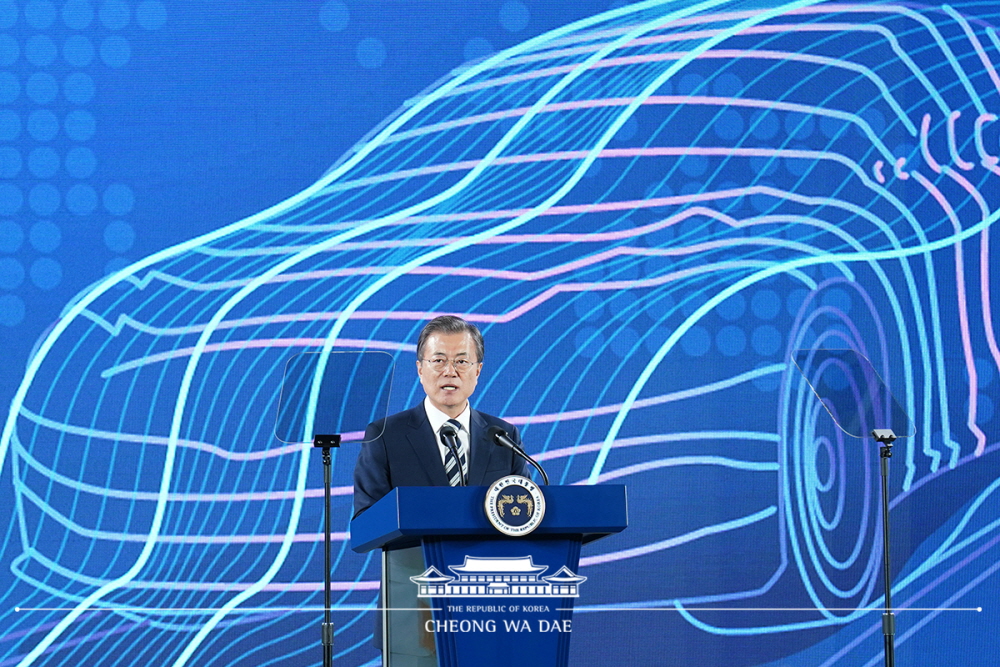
648	209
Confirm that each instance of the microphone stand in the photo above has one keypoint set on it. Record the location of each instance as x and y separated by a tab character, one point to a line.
326	629
501	438
885	438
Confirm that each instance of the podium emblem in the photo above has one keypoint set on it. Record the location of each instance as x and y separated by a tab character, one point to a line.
515	505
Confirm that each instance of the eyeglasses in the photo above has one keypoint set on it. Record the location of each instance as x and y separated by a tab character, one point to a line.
441	363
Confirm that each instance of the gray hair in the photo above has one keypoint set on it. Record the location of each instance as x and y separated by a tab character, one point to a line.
450	324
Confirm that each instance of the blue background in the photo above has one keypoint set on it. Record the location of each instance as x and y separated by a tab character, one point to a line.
646	210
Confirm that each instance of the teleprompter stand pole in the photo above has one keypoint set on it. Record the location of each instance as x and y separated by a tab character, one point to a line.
326	442
885	438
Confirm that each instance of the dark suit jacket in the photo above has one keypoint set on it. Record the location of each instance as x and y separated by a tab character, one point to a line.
406	454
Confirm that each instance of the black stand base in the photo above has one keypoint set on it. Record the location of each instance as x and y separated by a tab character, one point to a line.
327	630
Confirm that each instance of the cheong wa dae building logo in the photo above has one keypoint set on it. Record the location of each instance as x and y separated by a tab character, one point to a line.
498	577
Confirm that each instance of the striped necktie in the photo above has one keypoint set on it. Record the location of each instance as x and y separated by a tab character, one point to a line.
450	469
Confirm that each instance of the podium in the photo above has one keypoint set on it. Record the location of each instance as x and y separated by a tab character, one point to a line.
456	592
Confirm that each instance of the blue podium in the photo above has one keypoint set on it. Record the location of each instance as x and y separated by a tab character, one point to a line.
457	592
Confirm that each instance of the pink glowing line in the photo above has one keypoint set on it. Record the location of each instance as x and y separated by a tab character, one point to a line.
953	147
735	54
898	168
507	239
236	323
509	316
526	238
115	436
569	209
614	408
143	538
989	161
769	29
877	171
702	19
241	496
925	125
220	539
668	100
215	450
642	151
233	345
603	207
978	47
963	314
984	285
280	587
639	441
960	271
348	490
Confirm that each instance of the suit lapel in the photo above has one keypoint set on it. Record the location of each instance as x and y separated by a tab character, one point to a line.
424	444
481	449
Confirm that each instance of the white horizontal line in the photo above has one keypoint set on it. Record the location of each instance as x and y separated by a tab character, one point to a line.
240	610
693	609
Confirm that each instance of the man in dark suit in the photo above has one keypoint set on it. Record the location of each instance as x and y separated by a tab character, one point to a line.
406	449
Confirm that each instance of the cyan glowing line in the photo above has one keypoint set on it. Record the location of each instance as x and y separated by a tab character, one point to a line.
984	291
963	307
118	436
678	461
653	400
665	279
968	559
118	536
765	630
890	37
609	153
521	310
231	345
987	159
970	365
991	32
658	439
948	54
727	54
806	510
209	587
945	606
124	320
374	288
710	304
953	146
658	100
625	205
923	348
123	494
920	594
705	531
292	202
809	508
779	29
951	545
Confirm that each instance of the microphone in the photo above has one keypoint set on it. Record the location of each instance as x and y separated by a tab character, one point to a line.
449	437
500	437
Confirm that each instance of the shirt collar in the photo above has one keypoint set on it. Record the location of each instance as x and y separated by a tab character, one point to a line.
438	418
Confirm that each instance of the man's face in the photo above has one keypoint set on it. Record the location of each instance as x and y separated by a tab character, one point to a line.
449	389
